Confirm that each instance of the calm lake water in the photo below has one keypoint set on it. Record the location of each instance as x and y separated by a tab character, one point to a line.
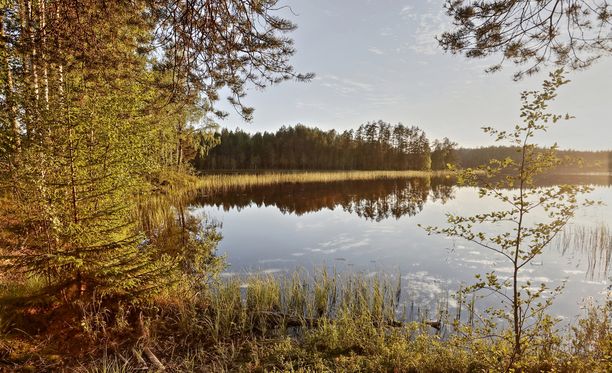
371	227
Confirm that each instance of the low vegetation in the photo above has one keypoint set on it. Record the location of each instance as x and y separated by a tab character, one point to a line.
327	322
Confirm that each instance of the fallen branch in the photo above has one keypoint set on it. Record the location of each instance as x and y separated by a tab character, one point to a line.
144	336
278	318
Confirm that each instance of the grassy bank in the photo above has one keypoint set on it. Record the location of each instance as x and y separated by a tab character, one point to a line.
229	181
328	323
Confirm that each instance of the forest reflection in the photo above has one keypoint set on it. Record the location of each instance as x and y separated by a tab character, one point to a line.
372	200
379	200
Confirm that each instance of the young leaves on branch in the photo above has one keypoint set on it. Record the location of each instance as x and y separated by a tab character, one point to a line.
529	219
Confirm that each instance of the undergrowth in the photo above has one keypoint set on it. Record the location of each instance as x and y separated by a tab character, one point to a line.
325	323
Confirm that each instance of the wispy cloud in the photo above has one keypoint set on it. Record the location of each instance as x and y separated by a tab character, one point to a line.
345	85
386	31
429	26
301	105
384	99
407	11
375	51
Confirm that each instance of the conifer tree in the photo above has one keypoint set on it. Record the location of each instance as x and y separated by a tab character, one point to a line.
570	33
99	98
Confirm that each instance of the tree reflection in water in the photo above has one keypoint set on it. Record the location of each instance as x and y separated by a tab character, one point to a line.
376	201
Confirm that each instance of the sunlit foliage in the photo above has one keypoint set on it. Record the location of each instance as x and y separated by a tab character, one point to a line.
511	231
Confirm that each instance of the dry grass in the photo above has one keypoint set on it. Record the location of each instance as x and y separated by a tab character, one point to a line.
230	181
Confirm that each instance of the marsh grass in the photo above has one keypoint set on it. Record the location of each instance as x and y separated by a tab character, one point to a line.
329	322
214	182
594	242
264	304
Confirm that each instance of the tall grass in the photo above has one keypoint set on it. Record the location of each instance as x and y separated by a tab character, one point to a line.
334	323
230	181
591	241
300	323
263	304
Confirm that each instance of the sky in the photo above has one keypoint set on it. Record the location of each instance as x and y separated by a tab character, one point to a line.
378	59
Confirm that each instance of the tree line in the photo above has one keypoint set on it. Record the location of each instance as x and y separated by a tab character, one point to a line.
376	145
571	160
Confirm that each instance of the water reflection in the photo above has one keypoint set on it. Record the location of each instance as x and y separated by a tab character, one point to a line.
371	227
591	244
375	201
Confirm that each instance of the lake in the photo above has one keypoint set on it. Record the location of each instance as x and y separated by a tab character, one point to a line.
371	227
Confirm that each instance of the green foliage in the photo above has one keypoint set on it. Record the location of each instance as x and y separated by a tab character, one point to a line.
564	33
518	237
99	99
373	146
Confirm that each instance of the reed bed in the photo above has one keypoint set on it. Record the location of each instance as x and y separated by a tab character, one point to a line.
324	322
213	182
175	191
264	304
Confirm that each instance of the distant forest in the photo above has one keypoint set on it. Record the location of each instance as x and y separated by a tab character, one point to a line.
374	145
575	160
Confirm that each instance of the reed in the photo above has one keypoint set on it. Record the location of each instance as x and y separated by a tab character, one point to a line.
592	241
327	321
214	182
263	304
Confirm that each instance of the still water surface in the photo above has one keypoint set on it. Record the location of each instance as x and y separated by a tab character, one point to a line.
372	227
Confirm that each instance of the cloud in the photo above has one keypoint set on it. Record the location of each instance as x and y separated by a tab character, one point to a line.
301	105
407	12
345	86
386	31
384	99
375	51
428	27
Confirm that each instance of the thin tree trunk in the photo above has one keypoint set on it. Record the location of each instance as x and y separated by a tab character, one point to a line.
34	59
179	146
43	26
9	91
516	300
60	67
25	57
